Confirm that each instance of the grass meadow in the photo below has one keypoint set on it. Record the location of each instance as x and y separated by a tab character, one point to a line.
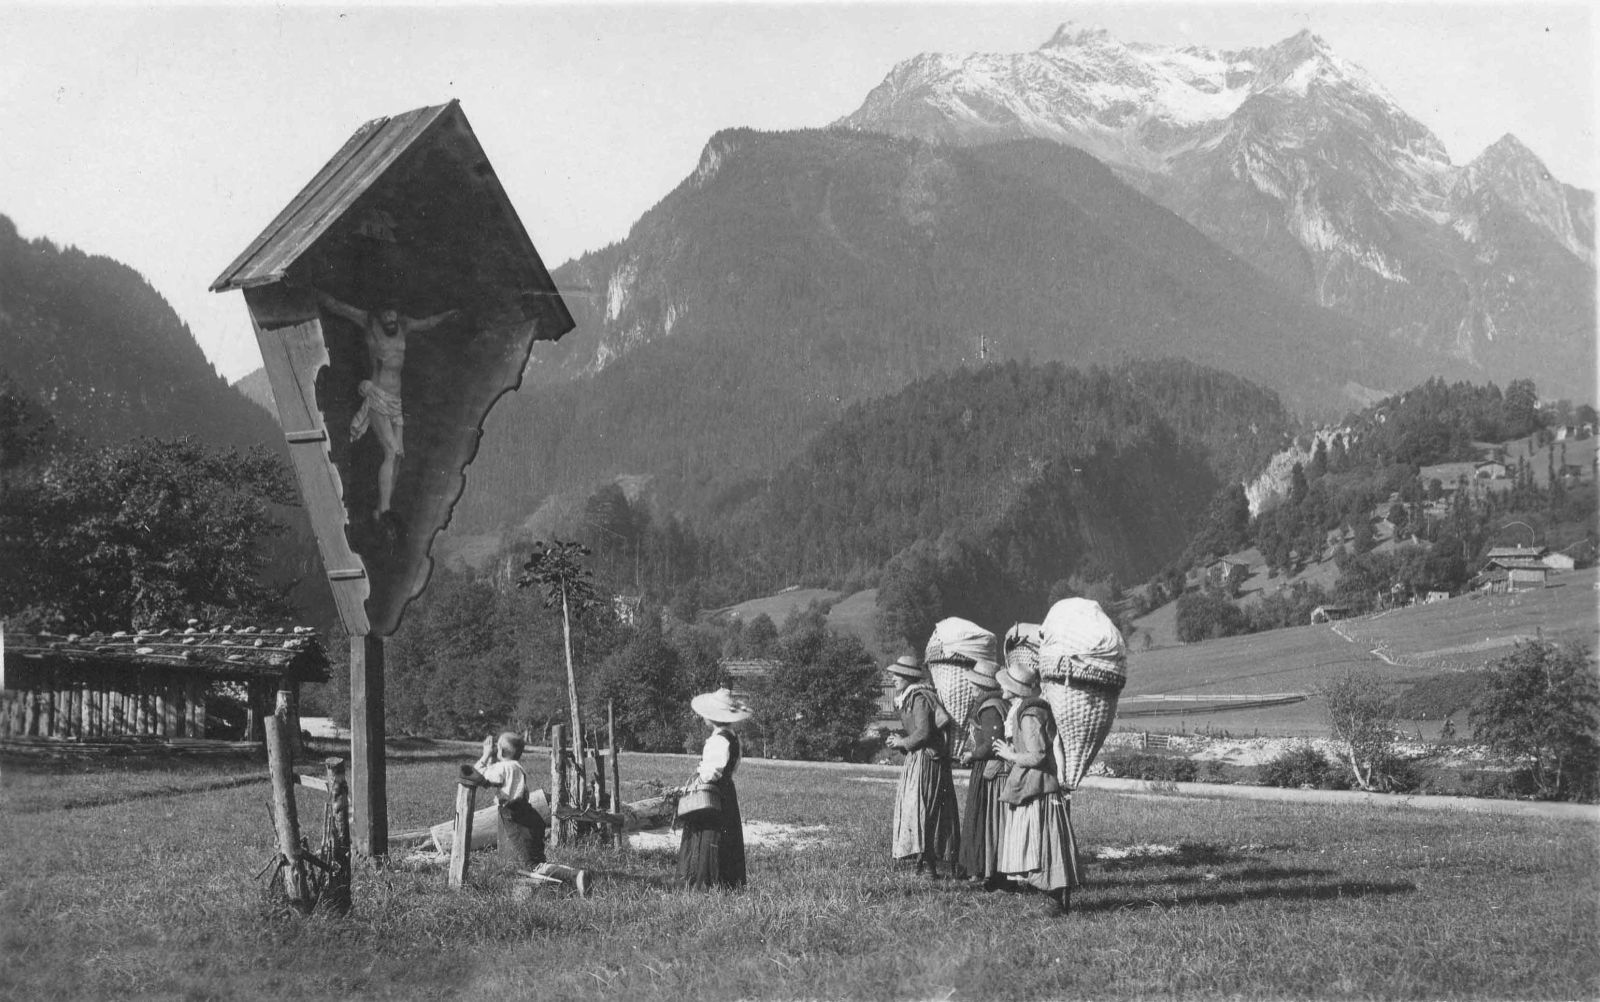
153	895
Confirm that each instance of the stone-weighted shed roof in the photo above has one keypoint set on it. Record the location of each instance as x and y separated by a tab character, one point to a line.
226	653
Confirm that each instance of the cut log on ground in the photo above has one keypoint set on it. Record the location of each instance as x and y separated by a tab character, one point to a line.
641	815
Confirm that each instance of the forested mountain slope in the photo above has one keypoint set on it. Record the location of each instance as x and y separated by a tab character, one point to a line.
92	340
794	274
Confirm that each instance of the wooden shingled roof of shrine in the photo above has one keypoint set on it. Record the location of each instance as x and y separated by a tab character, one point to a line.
361	175
295	653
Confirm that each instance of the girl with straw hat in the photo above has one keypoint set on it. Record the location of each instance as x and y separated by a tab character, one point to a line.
711	853
983	816
925	815
1038	849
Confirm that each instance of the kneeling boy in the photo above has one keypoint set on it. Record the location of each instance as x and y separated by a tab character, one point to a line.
522	830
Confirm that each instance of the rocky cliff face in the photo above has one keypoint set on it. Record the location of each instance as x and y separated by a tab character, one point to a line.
1297	161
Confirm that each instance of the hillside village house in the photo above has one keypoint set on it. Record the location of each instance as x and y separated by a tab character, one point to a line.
1491	470
1513	568
1449	475
1227	573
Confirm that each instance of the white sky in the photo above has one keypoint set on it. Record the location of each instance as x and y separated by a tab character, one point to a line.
169	137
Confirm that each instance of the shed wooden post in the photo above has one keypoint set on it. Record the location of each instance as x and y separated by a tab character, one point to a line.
461	848
280	763
252	711
336	892
366	746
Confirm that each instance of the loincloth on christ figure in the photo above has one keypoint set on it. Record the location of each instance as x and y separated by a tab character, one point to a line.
376	400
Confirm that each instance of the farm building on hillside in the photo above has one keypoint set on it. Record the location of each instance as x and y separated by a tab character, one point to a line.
1513	568
1449	475
154	684
1227	573
1491	470
1329	613
743	674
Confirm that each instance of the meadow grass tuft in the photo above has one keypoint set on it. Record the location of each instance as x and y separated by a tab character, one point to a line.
154	896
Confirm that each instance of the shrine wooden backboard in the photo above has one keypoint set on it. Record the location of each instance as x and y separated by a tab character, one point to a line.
407	217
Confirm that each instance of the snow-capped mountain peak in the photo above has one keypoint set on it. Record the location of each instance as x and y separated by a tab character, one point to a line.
1298	161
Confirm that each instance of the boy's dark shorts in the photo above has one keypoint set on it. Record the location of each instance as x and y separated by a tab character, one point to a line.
522	833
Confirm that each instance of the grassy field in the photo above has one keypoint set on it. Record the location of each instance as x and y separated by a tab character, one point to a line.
1403	645
153	897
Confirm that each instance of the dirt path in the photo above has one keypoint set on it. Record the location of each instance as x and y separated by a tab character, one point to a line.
1330	798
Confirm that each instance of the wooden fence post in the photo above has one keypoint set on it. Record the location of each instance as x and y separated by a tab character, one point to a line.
559	800
597	787
336	892
280	762
615	806
461	848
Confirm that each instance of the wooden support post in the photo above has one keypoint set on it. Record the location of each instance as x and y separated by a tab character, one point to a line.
82	696
559	799
169	709
336	892
252	711
280	763
197	709
461	848
368	785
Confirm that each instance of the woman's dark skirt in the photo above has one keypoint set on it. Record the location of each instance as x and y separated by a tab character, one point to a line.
711	854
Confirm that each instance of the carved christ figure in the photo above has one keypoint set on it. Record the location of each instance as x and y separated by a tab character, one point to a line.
385	331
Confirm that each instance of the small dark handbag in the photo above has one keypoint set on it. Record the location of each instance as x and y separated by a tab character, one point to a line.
701	803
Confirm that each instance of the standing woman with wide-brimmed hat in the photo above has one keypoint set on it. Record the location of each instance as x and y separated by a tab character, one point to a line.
926	820
712	851
1038	848
983	816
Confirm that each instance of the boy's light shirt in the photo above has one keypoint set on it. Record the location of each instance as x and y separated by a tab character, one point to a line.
509	778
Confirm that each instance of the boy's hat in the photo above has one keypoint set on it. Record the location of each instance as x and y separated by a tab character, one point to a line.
908	666
1022	683
983	680
720	707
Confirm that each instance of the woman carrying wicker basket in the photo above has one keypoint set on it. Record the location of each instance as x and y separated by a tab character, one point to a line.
926	820
711	853
1038	849
983	816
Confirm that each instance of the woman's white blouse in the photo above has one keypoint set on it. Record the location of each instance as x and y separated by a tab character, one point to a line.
714	757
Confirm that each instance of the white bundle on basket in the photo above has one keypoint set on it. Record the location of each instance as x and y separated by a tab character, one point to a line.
1082	669
957	645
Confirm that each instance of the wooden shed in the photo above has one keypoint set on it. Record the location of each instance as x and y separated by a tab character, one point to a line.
152	684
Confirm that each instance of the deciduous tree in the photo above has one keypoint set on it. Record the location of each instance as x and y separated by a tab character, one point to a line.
1540	706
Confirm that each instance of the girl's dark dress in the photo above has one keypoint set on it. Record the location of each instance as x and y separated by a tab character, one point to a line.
712	854
926	819
983	816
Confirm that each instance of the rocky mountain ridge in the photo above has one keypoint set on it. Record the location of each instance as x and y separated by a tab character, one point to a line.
1298	161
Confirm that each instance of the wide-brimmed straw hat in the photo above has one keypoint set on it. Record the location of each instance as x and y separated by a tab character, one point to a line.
1019	683
908	666
720	707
